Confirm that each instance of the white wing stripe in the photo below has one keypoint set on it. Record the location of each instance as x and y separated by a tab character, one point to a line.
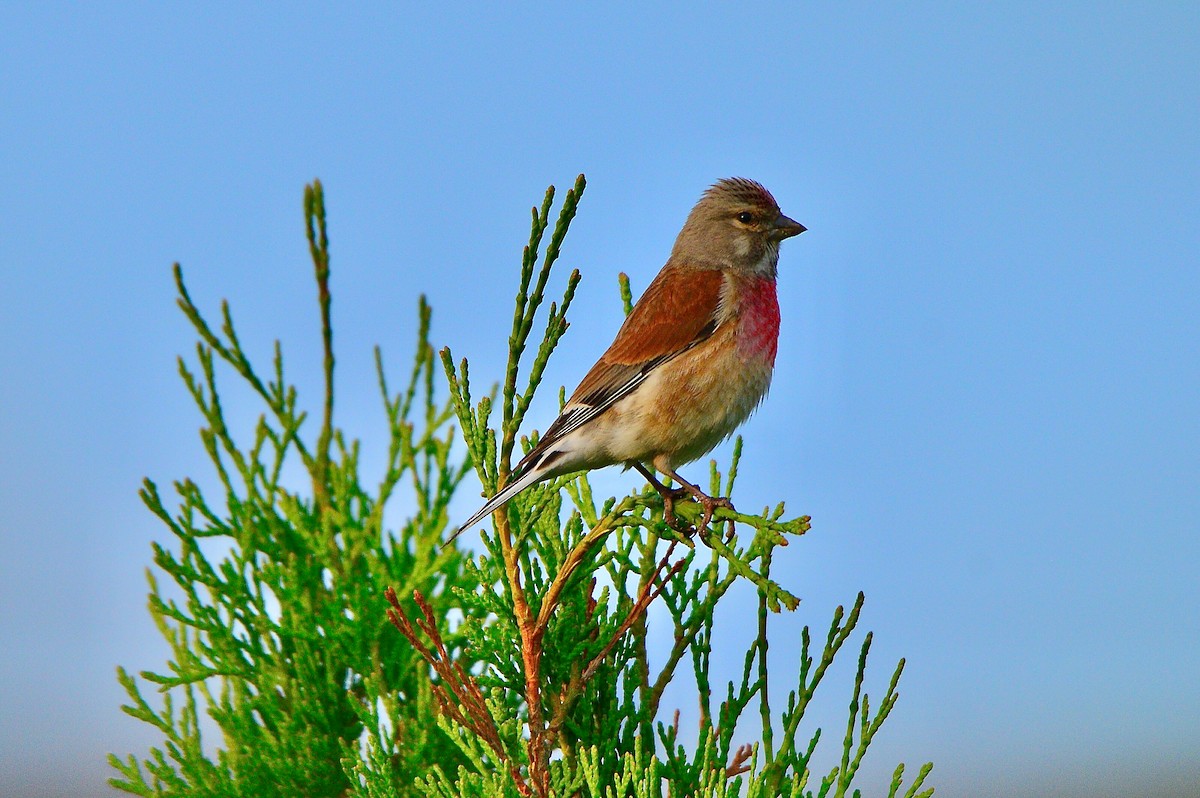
585	413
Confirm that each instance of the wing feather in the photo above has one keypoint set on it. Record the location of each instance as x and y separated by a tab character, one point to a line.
679	309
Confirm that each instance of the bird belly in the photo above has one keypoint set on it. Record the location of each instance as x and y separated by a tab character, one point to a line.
688	405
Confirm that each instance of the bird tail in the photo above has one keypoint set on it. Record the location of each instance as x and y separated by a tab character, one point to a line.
511	489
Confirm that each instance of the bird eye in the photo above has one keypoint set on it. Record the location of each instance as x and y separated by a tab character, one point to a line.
745	217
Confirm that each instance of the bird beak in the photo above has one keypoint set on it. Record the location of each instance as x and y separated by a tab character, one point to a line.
783	227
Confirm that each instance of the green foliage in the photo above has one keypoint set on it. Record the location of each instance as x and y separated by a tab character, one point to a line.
275	624
524	671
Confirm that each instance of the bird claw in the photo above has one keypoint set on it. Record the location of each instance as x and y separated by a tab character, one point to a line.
669	497
709	503
686	489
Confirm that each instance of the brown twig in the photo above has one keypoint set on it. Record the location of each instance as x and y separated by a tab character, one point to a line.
533	630
650	590
576	556
468	708
740	759
531	657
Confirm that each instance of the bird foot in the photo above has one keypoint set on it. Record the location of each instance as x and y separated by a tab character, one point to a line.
669	497
672	495
709	503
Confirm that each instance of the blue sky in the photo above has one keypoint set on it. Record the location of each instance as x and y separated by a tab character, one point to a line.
987	382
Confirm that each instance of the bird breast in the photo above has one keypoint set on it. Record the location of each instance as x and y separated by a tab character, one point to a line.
696	400
759	320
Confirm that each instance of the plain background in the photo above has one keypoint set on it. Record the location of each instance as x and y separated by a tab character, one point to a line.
988	382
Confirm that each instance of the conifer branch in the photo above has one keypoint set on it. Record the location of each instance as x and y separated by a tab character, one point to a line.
513	673
468	707
318	247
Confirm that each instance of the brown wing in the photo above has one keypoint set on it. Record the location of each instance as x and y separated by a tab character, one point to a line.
679	309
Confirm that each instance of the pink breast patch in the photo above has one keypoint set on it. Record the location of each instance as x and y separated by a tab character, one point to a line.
759	334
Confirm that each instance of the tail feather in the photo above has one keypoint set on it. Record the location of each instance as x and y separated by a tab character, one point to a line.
511	489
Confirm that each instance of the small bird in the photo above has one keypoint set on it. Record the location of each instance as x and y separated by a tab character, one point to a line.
691	362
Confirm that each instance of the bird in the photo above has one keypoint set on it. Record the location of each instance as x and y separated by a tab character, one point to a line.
691	362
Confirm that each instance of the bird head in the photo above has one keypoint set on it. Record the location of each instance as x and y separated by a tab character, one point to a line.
736	225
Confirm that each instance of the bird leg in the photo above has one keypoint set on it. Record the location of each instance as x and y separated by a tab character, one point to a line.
671	495
709	503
